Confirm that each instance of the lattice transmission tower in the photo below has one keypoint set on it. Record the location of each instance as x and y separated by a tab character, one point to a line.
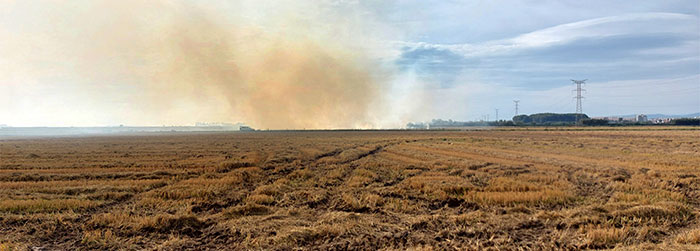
579	97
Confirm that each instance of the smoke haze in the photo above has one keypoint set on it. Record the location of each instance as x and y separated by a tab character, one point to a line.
174	63
293	64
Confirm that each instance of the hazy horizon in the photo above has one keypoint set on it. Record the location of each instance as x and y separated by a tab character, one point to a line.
340	64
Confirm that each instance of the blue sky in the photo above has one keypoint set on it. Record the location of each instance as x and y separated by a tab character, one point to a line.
639	58
79	63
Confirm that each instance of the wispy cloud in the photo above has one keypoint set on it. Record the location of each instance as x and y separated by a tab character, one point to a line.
642	49
67	64
667	42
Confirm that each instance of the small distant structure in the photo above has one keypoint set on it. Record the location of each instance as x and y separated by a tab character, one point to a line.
641	118
246	129
416	125
611	120
214	124
661	120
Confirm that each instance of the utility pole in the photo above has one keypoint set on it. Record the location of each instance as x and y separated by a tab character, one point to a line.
579	98
496	114
516	106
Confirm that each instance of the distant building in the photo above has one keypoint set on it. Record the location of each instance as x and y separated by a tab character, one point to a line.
246	129
641	118
613	120
661	120
623	120
219	124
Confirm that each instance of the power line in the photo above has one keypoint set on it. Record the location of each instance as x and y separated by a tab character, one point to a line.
652	83
652	106
657	93
559	104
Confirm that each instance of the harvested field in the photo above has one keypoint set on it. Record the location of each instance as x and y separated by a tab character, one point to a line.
338	190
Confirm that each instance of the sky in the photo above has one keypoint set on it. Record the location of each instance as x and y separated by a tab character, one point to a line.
341	63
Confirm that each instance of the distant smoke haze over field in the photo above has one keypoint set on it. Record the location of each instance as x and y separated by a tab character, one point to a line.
339	64
158	62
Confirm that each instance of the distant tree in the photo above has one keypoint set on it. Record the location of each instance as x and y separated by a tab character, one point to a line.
554	119
594	122
522	119
686	121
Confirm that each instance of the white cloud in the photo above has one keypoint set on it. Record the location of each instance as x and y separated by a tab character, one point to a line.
640	23
493	73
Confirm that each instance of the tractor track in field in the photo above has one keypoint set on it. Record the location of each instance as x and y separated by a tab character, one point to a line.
443	190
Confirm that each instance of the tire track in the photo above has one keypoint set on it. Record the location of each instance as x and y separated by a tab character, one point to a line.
574	159
479	157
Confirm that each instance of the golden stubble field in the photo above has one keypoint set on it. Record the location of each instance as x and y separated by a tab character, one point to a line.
338	190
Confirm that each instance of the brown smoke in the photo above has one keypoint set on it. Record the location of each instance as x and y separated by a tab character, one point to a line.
178	60
273	81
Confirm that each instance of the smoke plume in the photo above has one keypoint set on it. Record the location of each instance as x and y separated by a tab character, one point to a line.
175	63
